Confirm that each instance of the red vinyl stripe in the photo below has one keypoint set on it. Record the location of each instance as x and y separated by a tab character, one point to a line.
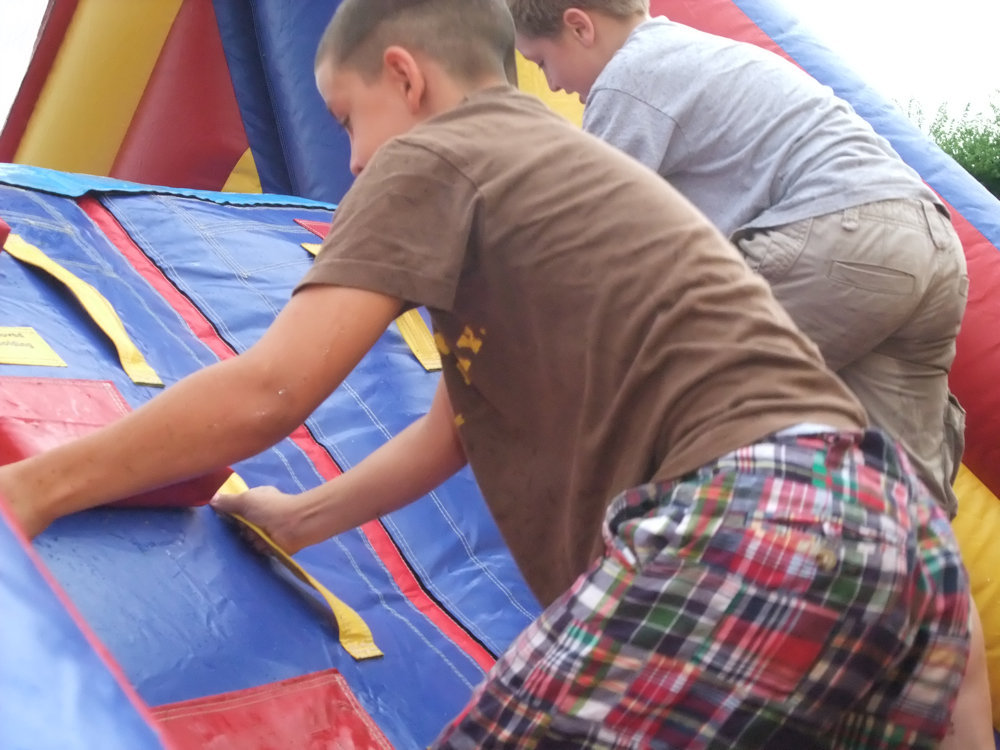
51	32
377	536
974	372
191	315
720	17
320	228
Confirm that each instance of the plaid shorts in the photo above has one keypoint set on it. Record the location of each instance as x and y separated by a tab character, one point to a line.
803	592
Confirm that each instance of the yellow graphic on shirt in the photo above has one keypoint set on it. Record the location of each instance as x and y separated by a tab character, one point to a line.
469	341
464	364
442	345
23	346
468	344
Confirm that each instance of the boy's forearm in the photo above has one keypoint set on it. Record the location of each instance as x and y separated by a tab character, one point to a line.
409	466
215	417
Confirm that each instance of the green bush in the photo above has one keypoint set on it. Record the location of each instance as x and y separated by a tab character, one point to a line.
973	140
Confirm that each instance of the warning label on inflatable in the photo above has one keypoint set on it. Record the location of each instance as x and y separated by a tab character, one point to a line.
23	346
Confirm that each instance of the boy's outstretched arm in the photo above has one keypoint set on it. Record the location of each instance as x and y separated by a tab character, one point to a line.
221	414
411	464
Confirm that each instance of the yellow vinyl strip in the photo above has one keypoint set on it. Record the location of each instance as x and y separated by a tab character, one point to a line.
97	80
355	635
99	309
244	177
419	338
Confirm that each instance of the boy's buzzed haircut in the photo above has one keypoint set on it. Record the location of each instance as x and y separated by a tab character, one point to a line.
543	18
470	38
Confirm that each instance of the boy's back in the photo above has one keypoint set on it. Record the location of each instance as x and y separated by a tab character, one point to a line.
756	142
658	350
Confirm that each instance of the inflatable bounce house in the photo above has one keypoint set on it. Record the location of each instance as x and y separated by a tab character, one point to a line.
168	172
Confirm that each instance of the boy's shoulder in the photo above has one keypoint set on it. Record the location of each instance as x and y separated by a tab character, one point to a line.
491	120
660	36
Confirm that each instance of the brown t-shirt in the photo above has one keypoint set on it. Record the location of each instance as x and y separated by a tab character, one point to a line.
597	332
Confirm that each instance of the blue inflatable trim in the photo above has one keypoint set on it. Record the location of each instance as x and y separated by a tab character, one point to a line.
72	185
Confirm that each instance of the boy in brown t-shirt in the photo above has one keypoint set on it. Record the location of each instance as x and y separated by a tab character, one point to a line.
727	557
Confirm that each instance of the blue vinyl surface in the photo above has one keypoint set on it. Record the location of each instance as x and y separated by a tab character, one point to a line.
181	603
270	46
56	693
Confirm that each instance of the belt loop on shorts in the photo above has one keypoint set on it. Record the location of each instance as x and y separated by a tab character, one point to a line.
849	219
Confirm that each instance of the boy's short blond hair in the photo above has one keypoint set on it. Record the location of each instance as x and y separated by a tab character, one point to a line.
469	38
543	18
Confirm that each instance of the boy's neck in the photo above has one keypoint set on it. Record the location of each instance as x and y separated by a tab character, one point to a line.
449	92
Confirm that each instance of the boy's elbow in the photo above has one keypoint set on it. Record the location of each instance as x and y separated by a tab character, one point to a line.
266	406
275	412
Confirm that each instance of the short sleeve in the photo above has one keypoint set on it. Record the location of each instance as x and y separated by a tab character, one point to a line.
637	128
402	230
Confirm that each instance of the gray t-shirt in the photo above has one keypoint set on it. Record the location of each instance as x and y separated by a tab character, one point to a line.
749	138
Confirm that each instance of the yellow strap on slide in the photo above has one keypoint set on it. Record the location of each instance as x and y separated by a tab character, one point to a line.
99	309
412	327
355	635
419	338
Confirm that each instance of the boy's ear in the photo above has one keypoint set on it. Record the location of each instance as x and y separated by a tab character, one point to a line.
580	26
405	73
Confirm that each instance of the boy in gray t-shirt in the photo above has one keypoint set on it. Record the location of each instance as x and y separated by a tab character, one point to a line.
855	246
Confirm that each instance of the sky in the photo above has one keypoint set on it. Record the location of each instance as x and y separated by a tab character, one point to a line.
931	53
19	20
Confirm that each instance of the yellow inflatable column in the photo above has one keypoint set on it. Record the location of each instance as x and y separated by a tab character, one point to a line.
976	528
531	80
97	79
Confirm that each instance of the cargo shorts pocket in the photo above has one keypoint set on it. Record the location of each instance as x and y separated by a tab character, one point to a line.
772	252
872	278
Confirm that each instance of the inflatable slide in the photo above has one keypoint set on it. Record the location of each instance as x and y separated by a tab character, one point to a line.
170	167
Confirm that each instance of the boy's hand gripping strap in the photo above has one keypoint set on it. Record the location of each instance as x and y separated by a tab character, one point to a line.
355	635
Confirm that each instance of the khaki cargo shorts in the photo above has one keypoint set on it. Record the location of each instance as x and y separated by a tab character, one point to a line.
881	288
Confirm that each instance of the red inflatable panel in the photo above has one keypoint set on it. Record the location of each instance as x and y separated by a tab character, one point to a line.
187	130
312	711
37	414
320	228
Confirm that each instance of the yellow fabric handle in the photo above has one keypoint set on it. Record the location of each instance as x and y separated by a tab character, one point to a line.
412	327
419	338
355	635
99	309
